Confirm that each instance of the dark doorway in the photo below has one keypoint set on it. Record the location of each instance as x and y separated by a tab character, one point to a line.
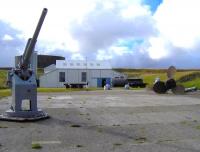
103	82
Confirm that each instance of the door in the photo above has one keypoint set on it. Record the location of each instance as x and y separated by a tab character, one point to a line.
103	83
99	82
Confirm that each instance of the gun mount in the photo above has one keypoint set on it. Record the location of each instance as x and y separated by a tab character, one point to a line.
22	81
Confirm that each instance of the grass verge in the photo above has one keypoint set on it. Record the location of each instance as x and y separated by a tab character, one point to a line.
66	90
7	92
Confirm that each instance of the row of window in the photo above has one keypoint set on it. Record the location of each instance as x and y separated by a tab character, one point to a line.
62	76
78	64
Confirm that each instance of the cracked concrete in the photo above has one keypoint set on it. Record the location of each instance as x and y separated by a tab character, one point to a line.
104	121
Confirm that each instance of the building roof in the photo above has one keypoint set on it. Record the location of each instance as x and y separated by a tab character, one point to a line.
81	64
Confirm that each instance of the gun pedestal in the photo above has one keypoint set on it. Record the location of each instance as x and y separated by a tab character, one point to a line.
24	91
24	86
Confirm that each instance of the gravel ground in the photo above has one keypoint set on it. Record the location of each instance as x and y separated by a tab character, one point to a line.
105	121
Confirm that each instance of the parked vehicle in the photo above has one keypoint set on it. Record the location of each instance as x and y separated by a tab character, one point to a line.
133	82
136	82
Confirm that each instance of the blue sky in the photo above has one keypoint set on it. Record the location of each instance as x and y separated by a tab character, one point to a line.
128	33
153	4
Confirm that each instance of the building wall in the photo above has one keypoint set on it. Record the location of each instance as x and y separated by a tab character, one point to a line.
51	79
72	76
50	68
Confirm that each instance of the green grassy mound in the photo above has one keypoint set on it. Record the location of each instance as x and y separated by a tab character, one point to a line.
190	80
189	77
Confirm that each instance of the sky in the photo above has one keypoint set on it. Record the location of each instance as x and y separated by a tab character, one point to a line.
127	33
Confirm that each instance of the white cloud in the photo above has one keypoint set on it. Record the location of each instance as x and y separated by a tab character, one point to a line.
101	30
23	15
89	28
105	29
135	10
178	22
7	37
158	48
178	33
103	55
77	56
119	50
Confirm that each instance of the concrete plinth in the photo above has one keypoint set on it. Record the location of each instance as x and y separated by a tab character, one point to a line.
22	116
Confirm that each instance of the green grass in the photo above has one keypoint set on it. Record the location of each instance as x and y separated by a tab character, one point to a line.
197	127
36	146
150	78
5	93
192	83
149	75
66	90
3	77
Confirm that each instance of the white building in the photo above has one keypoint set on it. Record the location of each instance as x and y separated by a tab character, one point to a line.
93	73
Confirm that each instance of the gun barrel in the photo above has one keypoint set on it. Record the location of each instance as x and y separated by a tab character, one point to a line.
31	42
39	25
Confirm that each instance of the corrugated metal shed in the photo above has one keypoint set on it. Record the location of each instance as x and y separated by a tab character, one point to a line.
93	73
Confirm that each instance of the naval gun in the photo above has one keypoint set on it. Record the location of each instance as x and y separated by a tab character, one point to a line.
22	80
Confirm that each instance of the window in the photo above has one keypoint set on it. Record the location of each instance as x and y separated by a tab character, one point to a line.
78	64
91	64
61	76
98	64
83	76
71	64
